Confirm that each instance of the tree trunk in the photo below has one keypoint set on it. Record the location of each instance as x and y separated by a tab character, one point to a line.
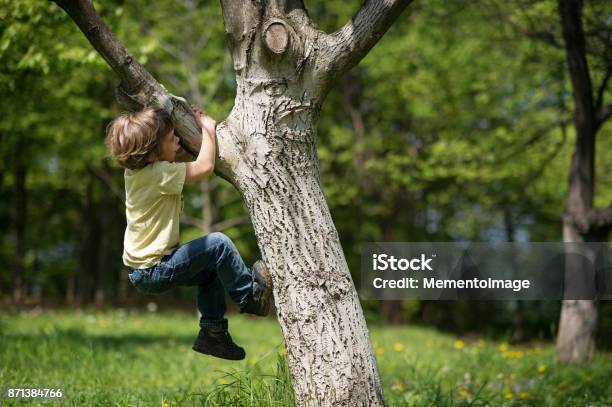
207	209
576	336
19	216
267	149
391	310
329	351
71	288
88	262
578	320
104	244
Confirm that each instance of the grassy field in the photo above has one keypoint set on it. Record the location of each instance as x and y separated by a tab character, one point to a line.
129	358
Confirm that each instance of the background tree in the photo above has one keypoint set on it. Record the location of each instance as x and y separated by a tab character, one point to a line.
582	221
579	36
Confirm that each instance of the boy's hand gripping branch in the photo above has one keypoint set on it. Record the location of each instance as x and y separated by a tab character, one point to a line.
204	164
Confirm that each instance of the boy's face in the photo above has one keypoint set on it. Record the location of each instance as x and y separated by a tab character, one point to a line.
168	147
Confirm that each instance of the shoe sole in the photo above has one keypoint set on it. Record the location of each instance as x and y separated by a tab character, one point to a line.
204	352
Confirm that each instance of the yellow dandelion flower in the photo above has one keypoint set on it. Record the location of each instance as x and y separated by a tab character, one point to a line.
523	395
221	380
398	347
465	393
459	344
397	386
503	346
508	395
166	404
541	369
513	354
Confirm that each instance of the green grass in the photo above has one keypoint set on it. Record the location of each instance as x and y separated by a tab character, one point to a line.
122	358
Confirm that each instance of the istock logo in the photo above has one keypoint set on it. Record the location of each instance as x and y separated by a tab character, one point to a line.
384	262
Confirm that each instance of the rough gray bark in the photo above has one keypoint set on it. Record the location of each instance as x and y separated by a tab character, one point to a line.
582	222
284	67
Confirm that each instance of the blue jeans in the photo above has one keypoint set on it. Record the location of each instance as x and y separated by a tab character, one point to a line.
210	262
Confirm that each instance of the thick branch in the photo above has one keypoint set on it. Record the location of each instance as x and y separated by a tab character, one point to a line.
138	88
344	49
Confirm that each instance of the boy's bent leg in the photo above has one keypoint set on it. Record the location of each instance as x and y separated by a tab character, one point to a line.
214	338
215	253
211	302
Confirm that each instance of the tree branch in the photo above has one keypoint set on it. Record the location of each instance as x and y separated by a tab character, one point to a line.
217	227
107	179
604	114
351	90
602	88
546	36
224	224
191	221
537	135
344	49
138	88
593	219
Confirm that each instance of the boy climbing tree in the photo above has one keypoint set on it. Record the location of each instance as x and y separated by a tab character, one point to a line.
144	143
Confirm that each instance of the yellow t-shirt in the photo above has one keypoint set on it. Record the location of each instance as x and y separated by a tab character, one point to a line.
152	207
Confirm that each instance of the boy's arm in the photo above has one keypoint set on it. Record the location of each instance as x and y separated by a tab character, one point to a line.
204	164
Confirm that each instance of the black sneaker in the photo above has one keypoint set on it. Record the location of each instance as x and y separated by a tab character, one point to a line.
260	299
217	343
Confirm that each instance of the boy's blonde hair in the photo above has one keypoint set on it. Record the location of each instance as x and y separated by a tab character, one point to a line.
133	136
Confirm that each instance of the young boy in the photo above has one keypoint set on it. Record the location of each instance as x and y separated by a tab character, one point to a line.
145	144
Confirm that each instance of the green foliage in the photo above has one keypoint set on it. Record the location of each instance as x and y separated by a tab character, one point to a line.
456	126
